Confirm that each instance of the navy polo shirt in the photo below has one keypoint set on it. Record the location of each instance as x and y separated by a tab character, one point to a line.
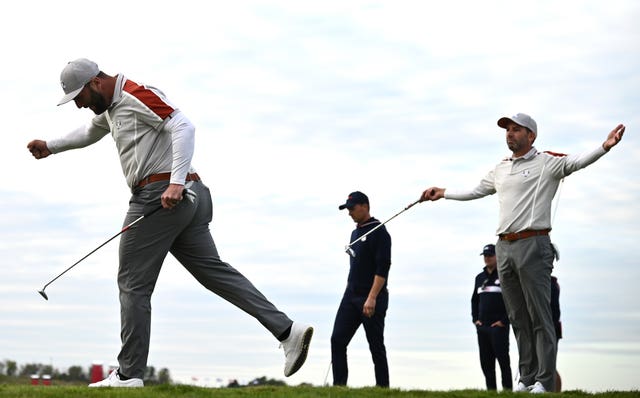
372	257
487	304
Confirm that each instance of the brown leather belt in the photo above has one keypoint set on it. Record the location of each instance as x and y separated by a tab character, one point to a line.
164	177
524	234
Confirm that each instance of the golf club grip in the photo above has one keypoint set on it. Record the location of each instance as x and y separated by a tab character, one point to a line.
412	204
184	193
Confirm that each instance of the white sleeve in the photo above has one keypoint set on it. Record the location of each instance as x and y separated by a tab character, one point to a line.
484	188
79	138
183	142
564	166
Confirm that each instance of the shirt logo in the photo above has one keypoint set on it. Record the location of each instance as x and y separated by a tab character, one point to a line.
525	173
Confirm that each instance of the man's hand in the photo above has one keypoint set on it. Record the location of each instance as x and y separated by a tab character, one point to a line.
614	137
172	196
38	149
369	307
497	324
433	193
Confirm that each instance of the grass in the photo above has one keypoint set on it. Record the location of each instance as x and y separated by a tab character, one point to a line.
183	391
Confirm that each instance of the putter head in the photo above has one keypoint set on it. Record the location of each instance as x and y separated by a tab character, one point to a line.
349	251
43	294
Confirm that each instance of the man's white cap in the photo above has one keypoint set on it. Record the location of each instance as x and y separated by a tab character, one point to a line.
74	76
520	119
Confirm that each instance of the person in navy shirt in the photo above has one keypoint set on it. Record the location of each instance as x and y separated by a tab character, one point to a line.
492	323
557	323
365	298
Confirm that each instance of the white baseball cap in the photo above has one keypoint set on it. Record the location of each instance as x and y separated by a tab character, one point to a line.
520	119
74	76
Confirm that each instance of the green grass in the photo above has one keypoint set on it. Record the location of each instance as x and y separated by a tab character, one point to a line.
182	391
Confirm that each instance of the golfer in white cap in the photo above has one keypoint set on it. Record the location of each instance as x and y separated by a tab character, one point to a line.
526	183
155	141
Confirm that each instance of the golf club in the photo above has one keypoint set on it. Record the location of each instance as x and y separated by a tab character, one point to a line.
43	294
348	248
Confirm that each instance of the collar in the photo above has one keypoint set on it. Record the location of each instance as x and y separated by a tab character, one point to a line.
527	156
486	271
370	221
117	91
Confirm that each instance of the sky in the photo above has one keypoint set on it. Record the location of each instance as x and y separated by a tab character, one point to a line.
296	104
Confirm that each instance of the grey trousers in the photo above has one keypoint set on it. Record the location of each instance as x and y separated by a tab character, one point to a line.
184	232
525	267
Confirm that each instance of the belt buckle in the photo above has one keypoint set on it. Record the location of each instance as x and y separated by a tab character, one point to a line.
510	237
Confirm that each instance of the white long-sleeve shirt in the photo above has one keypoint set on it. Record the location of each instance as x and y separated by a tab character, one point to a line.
151	135
526	187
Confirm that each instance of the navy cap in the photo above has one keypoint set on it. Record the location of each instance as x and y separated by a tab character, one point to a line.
355	198
489	250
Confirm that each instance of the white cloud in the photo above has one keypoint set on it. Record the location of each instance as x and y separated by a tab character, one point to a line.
296	105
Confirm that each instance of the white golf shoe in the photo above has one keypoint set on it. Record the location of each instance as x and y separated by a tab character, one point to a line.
296	347
521	387
113	380
537	388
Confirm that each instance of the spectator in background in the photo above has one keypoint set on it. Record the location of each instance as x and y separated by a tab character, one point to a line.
557	323
555	313
492	323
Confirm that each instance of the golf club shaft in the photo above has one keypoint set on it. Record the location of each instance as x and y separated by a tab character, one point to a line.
381	224
109	240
